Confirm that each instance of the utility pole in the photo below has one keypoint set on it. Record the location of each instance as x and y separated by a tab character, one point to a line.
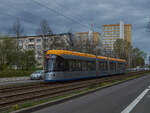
96	64
149	62
92	43
129	59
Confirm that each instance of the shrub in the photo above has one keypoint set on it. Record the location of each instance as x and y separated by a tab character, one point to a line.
15	73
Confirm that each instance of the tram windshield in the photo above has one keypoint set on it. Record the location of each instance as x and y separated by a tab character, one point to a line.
50	64
54	64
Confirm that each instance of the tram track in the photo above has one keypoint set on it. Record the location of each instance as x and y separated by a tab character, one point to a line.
21	94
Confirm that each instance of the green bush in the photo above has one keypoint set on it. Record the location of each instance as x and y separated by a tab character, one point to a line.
15	73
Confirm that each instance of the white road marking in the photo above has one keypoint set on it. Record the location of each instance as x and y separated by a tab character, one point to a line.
135	102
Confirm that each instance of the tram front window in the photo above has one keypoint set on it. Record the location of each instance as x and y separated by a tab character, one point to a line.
55	64
50	64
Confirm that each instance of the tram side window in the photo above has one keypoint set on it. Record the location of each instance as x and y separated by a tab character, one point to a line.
60	65
91	66
118	66
84	65
100	65
75	65
115	66
112	66
121	66
70	65
105	66
80	65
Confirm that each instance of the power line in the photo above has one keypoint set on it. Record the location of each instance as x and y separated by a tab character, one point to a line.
25	20
4	14
59	13
13	16
60	5
55	11
22	10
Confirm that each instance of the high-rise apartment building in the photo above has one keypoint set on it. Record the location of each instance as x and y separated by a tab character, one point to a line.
113	32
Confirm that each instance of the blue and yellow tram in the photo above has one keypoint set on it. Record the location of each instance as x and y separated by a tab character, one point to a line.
62	65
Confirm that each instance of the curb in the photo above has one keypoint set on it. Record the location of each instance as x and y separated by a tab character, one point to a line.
51	103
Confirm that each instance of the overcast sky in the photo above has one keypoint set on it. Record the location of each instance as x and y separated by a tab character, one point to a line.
78	15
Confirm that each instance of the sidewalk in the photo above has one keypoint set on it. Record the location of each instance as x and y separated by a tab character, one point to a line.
13	79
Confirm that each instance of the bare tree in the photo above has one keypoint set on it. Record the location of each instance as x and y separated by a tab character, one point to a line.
70	40
44	31
17	30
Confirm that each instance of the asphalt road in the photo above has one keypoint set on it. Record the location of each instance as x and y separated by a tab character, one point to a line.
113	99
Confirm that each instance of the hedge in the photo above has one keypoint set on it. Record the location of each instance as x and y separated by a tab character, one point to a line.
15	73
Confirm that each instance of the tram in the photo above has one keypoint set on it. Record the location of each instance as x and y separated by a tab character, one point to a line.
63	65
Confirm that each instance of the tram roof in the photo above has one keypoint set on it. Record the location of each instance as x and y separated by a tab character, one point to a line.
65	52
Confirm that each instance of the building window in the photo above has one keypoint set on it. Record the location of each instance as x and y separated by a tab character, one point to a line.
39	58
46	40
38	46
20	44
21	41
38	40
39	53
31	40
31	46
26	46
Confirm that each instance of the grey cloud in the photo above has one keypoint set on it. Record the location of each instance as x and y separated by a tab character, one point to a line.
87	12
